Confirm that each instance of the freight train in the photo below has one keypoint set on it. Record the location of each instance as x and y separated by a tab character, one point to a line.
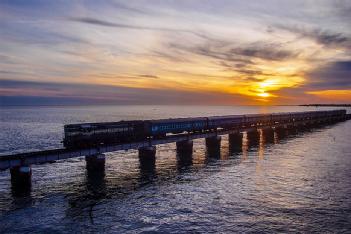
97	134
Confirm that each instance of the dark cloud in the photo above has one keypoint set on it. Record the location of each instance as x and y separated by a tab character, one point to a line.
326	38
174	56
228	52
323	37
149	76
265	51
335	75
98	22
7	72
251	72
129	9
42	93
104	23
234	58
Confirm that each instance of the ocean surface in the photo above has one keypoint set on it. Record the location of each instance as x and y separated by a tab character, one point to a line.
300	182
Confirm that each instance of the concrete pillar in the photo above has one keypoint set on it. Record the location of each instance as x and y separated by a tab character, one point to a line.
281	132
147	158
235	142
268	135
95	166
253	137
185	147
213	145
21	180
323	122
184	153
290	129
302	127
95	176
316	124
95	162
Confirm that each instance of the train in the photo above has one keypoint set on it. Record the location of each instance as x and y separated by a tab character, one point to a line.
97	134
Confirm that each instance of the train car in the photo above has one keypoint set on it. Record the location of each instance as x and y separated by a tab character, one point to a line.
298	116
226	122
93	134
256	119
339	113
265	118
159	128
288	117
251	119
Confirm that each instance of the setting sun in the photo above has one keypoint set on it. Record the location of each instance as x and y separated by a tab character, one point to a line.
263	94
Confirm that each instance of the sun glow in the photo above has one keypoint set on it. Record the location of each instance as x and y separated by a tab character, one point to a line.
263	94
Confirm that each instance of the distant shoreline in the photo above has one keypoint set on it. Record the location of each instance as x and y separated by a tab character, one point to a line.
121	104
344	105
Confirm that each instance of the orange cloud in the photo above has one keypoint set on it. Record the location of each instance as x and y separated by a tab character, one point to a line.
332	95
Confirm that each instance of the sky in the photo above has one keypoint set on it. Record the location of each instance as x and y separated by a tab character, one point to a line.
218	52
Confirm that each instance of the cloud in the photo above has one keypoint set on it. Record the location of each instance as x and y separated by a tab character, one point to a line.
264	51
323	37
15	92
333	75
229	52
149	76
120	6
104	23
331	96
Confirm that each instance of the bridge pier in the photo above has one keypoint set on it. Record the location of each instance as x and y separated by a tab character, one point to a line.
268	134
235	142
281	133
184	151
95	163
95	167
291	129
95	175
253	137
213	145
185	147
147	158
21	180
302	126
331	120
325	121
317	123
184	154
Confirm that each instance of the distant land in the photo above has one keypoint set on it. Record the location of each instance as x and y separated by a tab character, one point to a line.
325	105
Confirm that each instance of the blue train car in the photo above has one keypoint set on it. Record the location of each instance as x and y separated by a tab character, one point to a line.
163	126
281	117
339	112
255	119
229	121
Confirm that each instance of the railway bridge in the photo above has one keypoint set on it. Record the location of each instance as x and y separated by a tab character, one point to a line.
20	164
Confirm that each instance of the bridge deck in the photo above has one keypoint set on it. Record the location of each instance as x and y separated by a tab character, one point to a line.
45	156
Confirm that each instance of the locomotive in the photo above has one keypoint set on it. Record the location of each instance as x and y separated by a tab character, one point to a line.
97	134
